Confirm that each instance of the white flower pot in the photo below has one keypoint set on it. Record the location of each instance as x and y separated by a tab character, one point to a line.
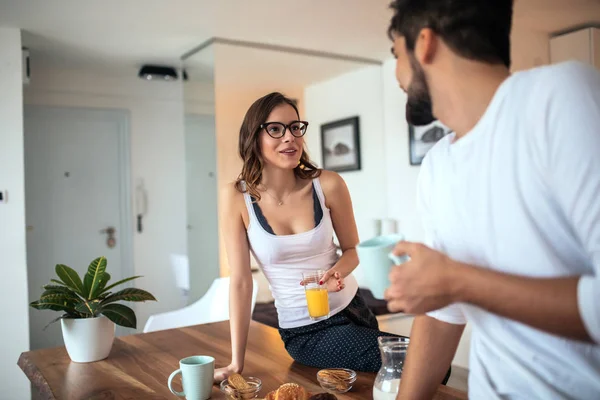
88	339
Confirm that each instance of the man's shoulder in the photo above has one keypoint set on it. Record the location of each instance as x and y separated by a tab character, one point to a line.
435	159
566	69
550	79
436	153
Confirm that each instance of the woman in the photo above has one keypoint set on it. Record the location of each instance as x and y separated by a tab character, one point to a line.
285	210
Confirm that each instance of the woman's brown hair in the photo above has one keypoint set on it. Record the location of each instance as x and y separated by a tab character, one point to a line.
249	145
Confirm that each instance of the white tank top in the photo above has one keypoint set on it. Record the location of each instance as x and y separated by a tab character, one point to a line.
283	259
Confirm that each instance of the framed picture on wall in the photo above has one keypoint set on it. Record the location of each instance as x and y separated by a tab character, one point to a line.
422	138
340	144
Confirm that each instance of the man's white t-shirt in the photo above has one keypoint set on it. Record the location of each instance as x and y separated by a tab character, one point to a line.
520	194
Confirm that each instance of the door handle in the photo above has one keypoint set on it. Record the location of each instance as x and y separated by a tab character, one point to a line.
111	241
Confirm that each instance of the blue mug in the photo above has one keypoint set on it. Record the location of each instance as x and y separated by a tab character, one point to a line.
376	260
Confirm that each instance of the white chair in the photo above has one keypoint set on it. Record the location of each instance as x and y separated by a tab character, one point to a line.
181	269
212	307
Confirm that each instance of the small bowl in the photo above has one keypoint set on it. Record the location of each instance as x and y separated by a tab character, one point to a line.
333	384
240	394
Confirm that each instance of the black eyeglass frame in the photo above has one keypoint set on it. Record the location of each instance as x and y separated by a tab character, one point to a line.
285	128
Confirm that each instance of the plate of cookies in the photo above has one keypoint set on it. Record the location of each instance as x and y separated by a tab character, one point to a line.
336	380
236	387
293	391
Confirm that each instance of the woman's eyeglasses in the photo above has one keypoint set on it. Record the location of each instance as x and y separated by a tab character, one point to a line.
277	129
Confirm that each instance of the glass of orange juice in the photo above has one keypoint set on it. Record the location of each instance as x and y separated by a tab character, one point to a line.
317	297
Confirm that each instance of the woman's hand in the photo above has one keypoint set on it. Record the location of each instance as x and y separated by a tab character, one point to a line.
333	280
223	373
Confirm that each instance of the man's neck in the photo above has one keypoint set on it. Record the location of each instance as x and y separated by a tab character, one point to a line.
465	92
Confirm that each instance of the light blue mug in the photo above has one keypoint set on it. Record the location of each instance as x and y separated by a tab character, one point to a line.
376	260
197	374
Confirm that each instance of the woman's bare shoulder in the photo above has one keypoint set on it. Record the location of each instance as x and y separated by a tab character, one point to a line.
231	197
330	180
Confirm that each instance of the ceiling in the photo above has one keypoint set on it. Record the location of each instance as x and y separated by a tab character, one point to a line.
133	32
240	66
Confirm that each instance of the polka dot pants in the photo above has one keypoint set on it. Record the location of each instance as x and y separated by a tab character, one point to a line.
346	340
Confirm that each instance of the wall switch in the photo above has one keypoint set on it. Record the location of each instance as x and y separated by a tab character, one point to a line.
3	196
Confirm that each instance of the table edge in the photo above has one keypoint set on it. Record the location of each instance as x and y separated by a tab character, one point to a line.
38	380
35	376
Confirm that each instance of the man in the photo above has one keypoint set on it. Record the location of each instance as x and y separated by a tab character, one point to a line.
511	208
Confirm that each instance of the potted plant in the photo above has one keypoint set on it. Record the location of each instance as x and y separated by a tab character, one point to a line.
90	308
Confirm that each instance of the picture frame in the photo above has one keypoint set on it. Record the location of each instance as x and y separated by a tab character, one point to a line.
340	145
422	138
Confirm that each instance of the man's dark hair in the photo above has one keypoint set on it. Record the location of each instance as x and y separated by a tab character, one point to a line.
475	29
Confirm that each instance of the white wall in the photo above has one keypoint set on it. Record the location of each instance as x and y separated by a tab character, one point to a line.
402	177
199	97
385	187
357	93
14	338
157	155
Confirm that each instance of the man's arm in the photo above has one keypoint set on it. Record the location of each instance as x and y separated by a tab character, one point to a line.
433	338
430	352
431	281
548	304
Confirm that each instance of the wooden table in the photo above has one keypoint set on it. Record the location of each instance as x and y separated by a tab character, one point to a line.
139	365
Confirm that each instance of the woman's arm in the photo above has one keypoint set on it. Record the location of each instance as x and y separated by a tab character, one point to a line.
240	291
342	215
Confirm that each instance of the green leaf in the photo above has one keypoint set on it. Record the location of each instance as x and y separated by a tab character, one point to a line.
121	282
52	297
51	305
88	307
55	320
59	289
92	279
69	278
56	287
120	315
129	294
103	296
103	281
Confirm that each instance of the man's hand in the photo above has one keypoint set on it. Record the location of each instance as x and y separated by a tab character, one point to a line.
422	284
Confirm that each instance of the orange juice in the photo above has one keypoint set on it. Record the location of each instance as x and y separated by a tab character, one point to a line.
318	302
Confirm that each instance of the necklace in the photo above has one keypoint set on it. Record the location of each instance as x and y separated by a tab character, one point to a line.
279	202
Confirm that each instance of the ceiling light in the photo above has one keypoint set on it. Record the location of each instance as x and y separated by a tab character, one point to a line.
158	72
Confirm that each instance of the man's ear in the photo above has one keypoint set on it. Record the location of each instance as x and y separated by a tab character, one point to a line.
426	46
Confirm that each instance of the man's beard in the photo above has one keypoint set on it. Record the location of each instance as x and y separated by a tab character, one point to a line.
418	106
